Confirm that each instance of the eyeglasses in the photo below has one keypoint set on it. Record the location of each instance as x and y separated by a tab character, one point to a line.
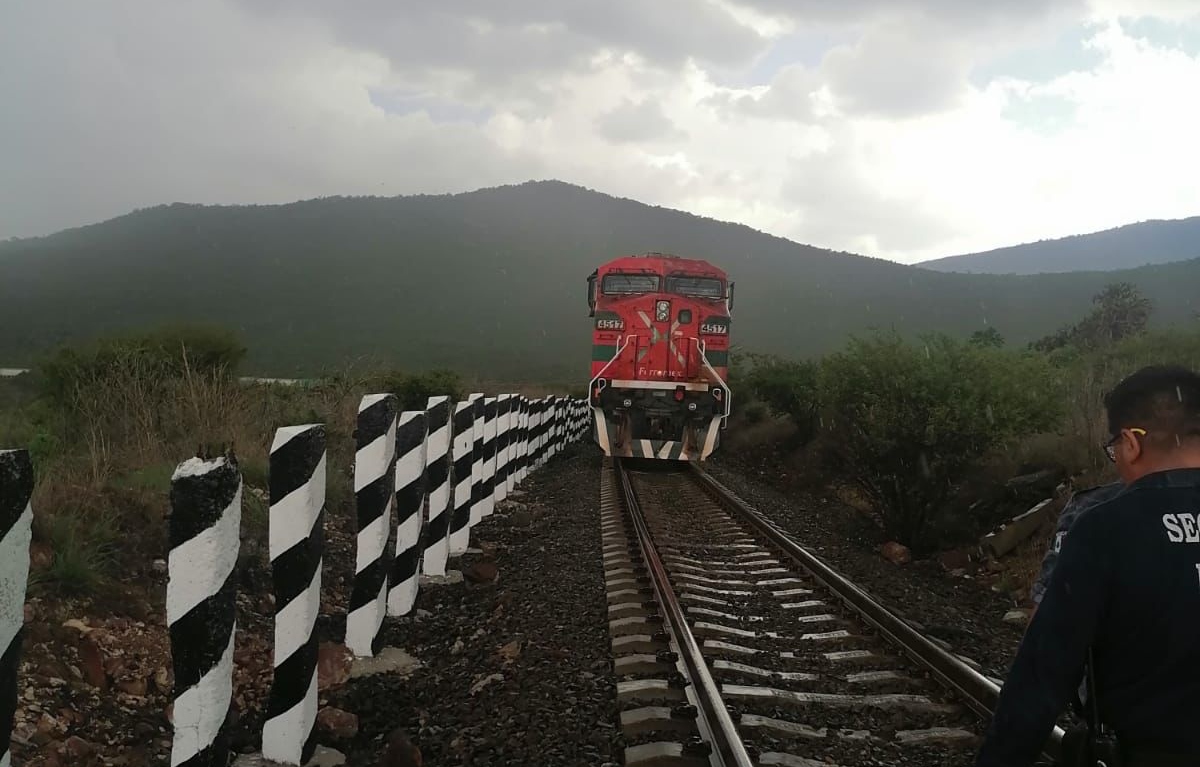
1110	447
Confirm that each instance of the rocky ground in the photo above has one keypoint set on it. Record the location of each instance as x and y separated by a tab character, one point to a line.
515	661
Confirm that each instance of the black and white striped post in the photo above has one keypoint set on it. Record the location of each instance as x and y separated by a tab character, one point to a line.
523	449
464	440
16	520
410	497
504	407
518	442
297	543
437	530
538	436
374	493
489	456
477	459
206	516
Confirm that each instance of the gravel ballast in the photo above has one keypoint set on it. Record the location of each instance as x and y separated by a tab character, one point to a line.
516	670
963	612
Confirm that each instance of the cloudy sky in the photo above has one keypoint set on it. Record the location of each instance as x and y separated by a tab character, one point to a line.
906	129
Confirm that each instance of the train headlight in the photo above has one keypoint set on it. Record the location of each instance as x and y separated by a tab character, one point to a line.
692	406
627	402
662	311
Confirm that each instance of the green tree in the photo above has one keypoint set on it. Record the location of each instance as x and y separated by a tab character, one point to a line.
909	420
1120	311
988	338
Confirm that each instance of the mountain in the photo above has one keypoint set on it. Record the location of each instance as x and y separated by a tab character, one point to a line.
489	282
1126	247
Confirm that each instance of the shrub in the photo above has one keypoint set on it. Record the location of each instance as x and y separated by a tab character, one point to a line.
168	352
910	420
414	389
789	388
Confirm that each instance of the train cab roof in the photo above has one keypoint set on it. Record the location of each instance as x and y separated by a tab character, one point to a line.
663	264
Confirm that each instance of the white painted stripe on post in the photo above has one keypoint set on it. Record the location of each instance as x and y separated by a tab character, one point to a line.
375	495
200	711
403	581
16	523
199	567
293	517
477	401
437	544
14	571
369	461
489	458
295	621
464	439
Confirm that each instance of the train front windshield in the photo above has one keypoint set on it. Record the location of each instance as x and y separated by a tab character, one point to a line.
627	284
696	287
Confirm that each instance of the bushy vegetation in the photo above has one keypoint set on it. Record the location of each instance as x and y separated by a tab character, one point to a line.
911	419
108	421
906	423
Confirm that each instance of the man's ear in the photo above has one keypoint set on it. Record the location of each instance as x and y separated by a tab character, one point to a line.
1133	446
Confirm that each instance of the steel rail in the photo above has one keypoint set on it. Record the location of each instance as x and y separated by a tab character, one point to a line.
980	693
713	718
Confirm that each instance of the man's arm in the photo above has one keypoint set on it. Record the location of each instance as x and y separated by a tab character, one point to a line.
1050	659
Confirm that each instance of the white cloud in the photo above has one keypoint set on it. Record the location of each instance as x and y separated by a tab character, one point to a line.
882	142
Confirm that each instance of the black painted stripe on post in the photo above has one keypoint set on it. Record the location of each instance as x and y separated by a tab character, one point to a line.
489	456
437	531
203	532
374	495
410	497
297	543
464	440
16	519
477	458
504	406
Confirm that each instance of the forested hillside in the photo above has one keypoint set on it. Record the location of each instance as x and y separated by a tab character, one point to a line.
1126	247
487	282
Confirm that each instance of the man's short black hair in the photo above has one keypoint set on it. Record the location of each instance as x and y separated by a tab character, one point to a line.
1162	399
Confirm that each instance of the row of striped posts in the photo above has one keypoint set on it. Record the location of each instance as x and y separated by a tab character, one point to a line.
455	460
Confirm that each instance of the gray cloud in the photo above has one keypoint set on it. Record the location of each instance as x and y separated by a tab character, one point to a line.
127	111
638	122
890	72
838	204
496	45
789	96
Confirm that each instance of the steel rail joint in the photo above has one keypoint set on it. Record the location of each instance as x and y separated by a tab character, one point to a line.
980	693
713	717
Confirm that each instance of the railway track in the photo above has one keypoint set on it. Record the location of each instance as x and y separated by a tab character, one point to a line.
734	646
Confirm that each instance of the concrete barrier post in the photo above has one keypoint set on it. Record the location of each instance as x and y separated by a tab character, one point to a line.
489	456
297	544
522	439
206	515
16	520
410	497
477	459
437	531
374	494
464	439
507	435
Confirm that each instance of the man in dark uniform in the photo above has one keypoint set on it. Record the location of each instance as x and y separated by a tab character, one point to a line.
1126	586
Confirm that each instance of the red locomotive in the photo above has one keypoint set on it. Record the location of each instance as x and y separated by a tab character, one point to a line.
660	356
